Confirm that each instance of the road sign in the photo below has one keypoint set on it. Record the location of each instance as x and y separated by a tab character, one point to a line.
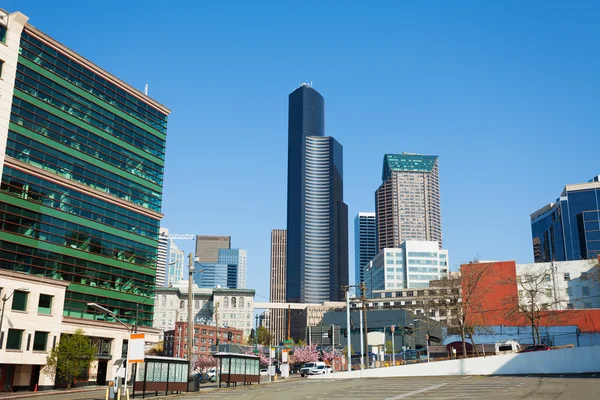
288	343
135	349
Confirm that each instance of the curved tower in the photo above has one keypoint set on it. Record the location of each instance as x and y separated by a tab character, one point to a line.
317	227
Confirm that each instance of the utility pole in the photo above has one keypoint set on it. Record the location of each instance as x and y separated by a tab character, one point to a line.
364	304
288	322
217	323
349	334
190	319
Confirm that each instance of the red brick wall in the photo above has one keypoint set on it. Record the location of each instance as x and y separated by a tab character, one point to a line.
493	300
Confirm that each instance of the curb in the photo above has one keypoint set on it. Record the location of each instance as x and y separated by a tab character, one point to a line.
48	393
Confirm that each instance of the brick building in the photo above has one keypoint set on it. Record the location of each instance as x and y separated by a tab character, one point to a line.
175	343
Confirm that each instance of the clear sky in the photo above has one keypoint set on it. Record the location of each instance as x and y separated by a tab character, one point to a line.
505	92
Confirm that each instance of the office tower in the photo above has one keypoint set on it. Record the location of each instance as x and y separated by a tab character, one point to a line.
162	258
236	260
176	264
568	229
210	275
412	265
207	247
82	177
277	317
408	201
317	217
365	243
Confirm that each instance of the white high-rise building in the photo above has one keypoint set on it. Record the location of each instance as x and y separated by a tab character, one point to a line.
161	259
412	265
176	264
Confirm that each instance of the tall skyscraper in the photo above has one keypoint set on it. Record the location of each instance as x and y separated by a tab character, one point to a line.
408	201
277	320
236	260
365	243
317	217
162	259
569	229
207	247
82	178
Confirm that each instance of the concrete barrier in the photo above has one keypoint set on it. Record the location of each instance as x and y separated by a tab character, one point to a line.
564	361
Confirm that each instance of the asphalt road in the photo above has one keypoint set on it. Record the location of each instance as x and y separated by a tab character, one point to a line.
441	388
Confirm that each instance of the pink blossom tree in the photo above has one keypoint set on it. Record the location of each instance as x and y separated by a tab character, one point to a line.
203	363
329	355
304	354
264	359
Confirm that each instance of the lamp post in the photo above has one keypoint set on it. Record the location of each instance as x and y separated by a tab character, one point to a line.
190	318
106	311
4	300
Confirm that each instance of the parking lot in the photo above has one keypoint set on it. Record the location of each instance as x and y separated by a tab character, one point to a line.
442	388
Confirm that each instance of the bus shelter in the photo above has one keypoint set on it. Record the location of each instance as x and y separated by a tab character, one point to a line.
238	368
161	374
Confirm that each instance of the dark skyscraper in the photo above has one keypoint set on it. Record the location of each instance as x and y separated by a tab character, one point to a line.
317	217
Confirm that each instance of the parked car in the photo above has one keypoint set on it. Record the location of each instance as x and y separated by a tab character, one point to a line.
305	370
212	373
537	347
507	347
319	370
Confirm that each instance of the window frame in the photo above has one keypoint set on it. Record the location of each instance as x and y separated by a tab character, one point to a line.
8	337
14	297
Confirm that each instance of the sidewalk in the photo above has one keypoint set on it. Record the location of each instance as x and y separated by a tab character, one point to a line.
23	395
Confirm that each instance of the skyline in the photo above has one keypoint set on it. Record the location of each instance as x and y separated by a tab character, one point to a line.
507	80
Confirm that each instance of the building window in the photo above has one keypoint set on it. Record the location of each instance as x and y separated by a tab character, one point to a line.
181	305
226	302
19	301
1	67
3	31
585	291
567	276
45	304
13	340
40	339
233	302
241	302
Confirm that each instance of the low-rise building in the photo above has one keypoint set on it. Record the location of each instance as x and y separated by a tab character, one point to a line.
205	336
234	306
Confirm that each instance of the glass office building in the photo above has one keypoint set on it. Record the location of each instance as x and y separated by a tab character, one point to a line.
82	179
317	217
236	260
569	229
365	243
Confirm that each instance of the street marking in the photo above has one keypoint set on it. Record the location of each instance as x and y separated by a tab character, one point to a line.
427	389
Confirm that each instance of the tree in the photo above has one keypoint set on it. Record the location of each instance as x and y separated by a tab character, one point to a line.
156	350
304	354
202	363
301	343
466	294
264	336
71	357
328	354
537	296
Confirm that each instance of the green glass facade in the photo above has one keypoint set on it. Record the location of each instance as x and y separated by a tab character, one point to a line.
81	187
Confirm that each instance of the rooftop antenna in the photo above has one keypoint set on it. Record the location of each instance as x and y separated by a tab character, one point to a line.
146	89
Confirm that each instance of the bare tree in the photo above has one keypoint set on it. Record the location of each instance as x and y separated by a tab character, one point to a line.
537	296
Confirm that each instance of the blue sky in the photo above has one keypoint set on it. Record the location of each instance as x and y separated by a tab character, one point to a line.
506	93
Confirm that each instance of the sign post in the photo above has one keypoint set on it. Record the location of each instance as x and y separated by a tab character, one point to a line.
135	353
393	328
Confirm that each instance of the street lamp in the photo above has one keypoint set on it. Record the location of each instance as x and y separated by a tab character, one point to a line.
190	319
106	311
4	300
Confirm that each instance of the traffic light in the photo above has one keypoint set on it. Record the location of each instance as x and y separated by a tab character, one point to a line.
252	334
330	333
229	336
345	333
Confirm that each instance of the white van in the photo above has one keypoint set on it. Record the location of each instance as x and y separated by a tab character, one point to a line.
507	347
308	367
